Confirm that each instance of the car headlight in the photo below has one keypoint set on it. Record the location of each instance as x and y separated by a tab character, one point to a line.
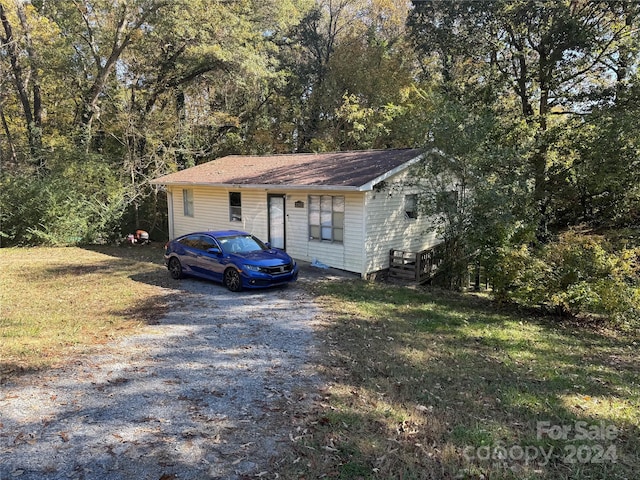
252	268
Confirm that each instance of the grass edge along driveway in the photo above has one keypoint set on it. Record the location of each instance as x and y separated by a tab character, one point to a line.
427	384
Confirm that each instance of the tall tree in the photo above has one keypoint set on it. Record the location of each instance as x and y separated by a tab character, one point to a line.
107	28
347	61
190	85
553	60
26	79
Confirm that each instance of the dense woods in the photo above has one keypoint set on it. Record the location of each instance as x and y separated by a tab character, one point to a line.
531	106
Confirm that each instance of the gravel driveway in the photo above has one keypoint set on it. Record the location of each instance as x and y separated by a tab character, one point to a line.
204	394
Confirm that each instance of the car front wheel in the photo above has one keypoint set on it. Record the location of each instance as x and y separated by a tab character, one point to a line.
232	280
175	268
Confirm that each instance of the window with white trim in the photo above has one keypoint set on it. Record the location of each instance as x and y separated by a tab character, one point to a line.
187	202
235	207
411	206
326	218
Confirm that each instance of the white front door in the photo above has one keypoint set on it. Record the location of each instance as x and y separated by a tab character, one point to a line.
276	205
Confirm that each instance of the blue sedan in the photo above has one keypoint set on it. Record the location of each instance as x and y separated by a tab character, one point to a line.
236	259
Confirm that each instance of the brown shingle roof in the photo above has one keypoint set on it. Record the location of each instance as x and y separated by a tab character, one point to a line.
350	170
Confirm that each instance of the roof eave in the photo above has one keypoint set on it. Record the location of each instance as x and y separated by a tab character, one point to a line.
265	186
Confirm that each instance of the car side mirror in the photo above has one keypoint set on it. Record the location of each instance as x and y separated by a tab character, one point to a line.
268	245
214	251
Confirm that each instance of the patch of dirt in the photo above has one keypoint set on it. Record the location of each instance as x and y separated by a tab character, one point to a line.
208	392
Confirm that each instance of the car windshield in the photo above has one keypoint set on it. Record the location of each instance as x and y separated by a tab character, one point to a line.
241	244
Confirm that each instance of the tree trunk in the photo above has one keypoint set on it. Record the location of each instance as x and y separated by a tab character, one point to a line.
540	169
32	113
12	147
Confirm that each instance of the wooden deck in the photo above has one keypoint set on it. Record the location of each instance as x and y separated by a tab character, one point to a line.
419	267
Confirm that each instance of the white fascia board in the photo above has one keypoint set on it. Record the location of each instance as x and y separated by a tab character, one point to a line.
369	185
265	186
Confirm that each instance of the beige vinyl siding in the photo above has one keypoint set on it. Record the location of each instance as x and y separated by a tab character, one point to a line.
347	255
184	224
254	213
211	211
388	227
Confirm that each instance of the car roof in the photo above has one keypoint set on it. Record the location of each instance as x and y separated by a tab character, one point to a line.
219	233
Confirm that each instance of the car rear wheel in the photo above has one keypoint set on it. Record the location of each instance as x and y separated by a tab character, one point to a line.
175	268
232	280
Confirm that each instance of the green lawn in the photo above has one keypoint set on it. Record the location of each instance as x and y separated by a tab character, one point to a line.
420	384
55	299
442	385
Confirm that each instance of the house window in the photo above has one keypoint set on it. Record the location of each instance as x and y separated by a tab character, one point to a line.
411	206
187	202
235	207
326	218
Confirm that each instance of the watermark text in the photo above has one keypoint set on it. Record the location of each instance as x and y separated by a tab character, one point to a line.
584	443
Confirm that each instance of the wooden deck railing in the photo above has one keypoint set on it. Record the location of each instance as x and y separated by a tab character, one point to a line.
419	267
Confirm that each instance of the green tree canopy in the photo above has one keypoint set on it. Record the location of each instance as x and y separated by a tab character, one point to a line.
545	67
